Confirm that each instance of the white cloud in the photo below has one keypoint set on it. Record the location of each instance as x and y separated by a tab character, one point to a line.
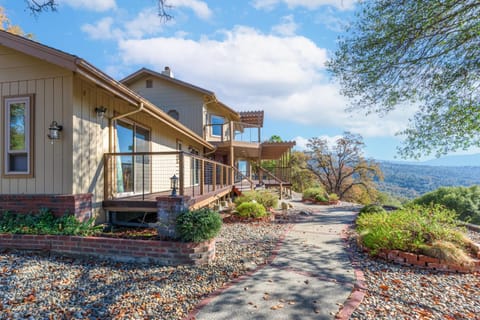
200	8
309	4
251	70
145	23
288	27
331	20
93	5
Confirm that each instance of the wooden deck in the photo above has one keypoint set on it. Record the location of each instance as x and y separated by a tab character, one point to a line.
148	202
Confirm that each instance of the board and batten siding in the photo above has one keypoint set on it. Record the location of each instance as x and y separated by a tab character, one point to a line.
168	96
51	88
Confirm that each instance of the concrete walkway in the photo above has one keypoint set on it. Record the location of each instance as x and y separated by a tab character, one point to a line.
310	277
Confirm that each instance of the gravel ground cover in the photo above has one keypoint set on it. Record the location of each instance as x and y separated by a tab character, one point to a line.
401	292
33	286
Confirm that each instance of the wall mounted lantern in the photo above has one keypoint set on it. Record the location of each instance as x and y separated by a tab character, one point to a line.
101	111
174	184
54	131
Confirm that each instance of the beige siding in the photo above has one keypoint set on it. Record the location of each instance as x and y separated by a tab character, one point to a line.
168	96
21	74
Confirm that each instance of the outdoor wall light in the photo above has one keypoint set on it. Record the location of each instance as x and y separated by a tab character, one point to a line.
174	184
54	131
101	111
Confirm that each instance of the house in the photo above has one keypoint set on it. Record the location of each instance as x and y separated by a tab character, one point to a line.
235	135
73	138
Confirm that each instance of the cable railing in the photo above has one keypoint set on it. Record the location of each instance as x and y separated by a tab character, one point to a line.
144	174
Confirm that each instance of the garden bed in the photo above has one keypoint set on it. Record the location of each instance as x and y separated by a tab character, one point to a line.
136	250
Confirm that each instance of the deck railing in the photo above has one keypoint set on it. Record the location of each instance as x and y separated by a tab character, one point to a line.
233	131
144	173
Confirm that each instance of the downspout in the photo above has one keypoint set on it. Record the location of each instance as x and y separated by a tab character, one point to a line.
121	116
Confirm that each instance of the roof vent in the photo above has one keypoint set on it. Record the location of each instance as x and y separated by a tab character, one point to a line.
168	72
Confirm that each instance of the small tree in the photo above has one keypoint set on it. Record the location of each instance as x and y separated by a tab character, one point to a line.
6	25
342	167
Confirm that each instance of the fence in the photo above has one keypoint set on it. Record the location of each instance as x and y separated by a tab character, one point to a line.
141	174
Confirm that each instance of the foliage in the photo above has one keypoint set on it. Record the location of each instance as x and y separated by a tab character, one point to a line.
6	25
424	52
312	193
198	225
372	208
465	201
264	197
333	197
413	229
301	177
251	210
341	167
46	223
321	198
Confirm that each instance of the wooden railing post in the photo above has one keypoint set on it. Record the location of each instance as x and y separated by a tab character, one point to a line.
106	177
181	173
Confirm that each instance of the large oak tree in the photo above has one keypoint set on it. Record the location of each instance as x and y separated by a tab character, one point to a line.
426	53
342	168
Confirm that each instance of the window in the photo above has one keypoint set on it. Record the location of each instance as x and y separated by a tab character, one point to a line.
149	83
18	155
174	114
217	125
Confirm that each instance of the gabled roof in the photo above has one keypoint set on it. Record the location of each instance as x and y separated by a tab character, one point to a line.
147	72
87	70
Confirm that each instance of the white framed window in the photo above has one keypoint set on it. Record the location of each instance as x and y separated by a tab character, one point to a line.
18	143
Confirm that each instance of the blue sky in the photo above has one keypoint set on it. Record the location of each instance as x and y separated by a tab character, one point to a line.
254	54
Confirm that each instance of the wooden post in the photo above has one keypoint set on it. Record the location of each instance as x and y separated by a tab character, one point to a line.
232	153
181	173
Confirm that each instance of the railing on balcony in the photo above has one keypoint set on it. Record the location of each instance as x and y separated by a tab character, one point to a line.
140	174
233	131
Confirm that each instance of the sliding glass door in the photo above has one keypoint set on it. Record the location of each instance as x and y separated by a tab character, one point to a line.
133	171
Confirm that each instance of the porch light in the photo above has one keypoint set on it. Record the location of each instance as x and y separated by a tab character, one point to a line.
173	184
101	111
54	131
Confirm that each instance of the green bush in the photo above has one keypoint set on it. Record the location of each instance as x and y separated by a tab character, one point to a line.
312	193
321	198
251	210
264	197
46	223
198	225
372	208
333	197
413	229
465	201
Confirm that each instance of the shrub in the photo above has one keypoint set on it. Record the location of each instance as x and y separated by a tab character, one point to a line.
417	229
198	225
464	200
312	193
46	223
321	198
372	208
333	197
264	197
251	210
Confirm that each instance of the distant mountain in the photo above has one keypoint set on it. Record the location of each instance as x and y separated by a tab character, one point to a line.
469	160
412	180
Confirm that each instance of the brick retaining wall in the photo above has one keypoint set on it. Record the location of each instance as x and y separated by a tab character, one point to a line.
124	250
79	205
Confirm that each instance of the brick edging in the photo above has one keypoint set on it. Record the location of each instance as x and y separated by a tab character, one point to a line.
192	314
359	288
